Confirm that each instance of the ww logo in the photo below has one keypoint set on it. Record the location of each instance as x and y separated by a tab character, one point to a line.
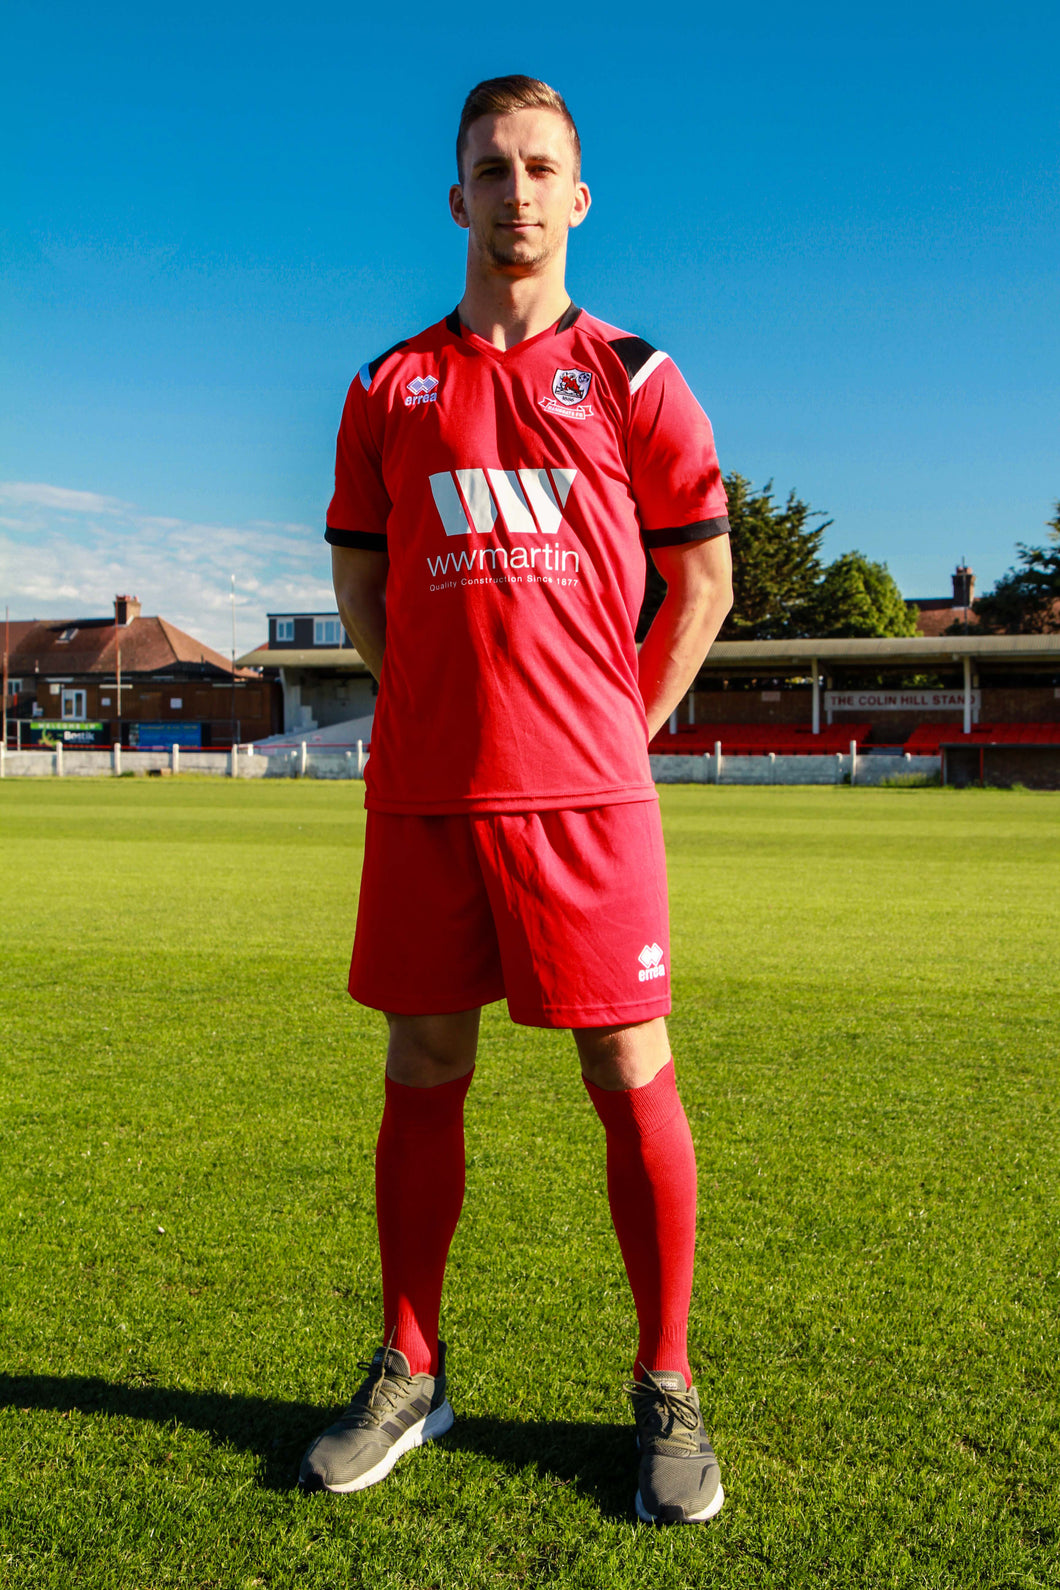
525	501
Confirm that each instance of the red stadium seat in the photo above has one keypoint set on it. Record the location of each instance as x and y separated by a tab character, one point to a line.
927	737
758	739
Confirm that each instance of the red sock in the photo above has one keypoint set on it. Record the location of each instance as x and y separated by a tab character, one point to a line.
419	1190
651	1186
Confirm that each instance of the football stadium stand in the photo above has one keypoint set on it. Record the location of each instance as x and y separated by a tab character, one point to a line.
758	739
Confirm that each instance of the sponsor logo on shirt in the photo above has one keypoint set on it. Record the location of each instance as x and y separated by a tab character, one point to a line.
570	388
524	501
520	502
424	389
651	963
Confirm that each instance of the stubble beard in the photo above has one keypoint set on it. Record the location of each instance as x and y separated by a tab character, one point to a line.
517	254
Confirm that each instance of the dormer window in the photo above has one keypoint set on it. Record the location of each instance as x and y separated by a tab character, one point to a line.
284	629
67	635
327	632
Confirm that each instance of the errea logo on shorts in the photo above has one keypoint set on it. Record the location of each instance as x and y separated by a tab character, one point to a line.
651	961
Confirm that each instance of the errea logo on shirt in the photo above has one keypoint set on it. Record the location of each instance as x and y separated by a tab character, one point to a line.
651	961
424	389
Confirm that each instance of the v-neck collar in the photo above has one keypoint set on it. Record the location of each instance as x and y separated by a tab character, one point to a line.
465	334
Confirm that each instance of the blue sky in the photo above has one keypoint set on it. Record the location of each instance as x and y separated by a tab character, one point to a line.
843	224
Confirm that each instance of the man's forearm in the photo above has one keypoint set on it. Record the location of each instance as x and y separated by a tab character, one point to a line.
365	624
698	597
360	593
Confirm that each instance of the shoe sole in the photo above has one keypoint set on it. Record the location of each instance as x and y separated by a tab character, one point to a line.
437	1422
693	1518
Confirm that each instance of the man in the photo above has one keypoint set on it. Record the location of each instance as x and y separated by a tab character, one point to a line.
498	477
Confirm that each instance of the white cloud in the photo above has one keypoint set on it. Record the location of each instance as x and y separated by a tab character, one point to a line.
66	554
35	494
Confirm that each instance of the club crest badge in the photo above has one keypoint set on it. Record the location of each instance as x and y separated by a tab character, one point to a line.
571	387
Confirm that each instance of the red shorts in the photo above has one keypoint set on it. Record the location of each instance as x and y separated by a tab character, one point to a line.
564	913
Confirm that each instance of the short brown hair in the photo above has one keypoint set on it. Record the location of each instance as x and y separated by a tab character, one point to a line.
499	96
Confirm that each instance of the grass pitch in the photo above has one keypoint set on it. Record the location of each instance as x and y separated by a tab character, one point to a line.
866	1038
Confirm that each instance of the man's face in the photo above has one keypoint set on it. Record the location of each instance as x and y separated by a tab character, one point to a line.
518	197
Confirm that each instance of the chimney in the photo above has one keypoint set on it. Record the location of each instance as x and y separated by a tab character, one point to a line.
126	608
963	586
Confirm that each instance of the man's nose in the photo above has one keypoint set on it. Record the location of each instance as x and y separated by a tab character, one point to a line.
518	192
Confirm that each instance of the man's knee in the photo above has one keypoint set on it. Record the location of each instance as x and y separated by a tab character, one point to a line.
425	1051
623	1057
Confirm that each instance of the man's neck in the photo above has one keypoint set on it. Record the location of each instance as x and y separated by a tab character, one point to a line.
505	311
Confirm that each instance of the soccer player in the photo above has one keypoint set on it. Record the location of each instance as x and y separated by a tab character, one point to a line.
498	479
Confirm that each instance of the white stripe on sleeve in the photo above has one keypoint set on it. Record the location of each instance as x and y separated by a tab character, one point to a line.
646	370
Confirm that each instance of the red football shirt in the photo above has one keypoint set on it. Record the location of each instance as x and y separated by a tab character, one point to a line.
514	492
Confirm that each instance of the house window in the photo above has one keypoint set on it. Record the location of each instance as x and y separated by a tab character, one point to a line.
74	704
327	632
285	629
67	636
14	687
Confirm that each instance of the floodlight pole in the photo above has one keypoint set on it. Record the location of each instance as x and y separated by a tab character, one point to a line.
232	599
7	632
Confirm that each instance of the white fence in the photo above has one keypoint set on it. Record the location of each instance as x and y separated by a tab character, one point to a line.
240	762
339	762
851	767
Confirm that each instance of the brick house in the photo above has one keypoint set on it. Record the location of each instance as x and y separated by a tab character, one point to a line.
938	613
131	680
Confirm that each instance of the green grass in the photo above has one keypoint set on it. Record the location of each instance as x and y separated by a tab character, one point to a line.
865	1029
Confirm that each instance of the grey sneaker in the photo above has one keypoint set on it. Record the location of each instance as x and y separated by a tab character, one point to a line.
392	1412
680	1482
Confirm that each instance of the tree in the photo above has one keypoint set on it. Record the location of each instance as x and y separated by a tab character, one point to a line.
856	597
779	588
776	563
1026	599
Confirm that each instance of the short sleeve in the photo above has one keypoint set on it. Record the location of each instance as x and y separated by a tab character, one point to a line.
674	472
360	508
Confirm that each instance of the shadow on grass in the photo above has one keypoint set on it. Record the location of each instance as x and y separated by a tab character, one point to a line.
597	1459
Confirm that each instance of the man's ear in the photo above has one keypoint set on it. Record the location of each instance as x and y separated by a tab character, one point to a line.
580	207
456	206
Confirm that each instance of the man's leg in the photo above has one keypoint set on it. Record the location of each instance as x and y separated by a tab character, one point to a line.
651	1180
419	1173
651	1184
419	1179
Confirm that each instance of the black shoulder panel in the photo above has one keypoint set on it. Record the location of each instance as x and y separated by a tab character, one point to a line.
567	319
634	353
374	364
452	322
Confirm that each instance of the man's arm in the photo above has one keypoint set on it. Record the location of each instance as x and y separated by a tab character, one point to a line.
698	577
360	590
